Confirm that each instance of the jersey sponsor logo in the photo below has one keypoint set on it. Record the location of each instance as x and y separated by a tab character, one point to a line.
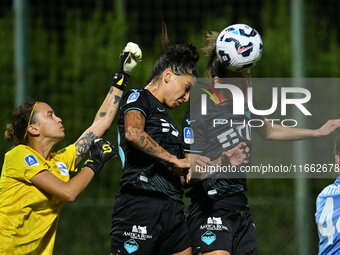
139	229
188	135
138	232
131	246
214	220
214	223
208	237
31	160
160	110
63	168
133	97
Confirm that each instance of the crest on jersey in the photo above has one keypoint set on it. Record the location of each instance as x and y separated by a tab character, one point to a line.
31	160
133	97
63	168
188	135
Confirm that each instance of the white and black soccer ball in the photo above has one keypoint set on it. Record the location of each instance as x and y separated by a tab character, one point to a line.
239	47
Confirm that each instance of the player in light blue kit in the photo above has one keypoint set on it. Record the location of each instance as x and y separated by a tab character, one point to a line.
328	213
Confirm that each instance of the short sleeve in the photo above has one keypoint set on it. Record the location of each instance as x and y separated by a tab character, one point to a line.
136	99
30	172
23	164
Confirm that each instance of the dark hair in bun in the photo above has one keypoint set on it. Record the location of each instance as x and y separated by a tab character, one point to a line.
180	58
17	129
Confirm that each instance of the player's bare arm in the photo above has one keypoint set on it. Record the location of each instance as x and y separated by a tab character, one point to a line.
235	157
101	152
196	160
129	58
278	132
101	123
65	191
134	132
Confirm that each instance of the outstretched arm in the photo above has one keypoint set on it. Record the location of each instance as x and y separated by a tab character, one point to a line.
278	132
101	152
101	123
129	58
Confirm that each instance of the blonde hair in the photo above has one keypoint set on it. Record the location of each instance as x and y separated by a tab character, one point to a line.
215	67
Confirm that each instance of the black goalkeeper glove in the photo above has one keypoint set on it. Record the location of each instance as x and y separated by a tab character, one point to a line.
100	152
129	59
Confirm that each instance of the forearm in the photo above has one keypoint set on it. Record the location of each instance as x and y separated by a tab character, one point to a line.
101	151
198	165
101	123
78	183
129	58
65	191
236	156
278	132
107	111
142	141
272	131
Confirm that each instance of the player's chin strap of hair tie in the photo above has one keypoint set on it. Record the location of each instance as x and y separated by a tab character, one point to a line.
120	80
30	119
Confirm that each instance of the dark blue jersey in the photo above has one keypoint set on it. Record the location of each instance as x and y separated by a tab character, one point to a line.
210	135
140	170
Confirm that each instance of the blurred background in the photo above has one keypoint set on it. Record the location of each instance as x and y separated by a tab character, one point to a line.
65	53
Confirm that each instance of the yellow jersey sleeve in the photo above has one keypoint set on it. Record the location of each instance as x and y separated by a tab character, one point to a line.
29	216
22	163
68	156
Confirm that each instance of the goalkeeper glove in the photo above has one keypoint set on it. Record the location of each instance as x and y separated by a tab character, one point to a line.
100	152
129	58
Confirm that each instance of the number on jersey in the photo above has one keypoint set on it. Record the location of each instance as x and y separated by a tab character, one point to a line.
327	215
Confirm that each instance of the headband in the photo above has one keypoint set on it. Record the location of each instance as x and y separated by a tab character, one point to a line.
30	119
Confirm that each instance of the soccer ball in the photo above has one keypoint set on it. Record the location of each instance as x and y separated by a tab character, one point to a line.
239	47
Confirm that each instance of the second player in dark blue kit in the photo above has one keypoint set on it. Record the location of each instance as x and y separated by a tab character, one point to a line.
219	217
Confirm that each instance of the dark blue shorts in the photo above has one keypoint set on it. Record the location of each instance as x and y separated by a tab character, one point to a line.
215	227
148	223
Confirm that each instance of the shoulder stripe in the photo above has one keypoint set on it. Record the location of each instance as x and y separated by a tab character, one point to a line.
135	108
186	150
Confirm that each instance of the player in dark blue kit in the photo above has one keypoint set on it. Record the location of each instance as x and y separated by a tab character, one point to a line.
148	215
218	216
327	214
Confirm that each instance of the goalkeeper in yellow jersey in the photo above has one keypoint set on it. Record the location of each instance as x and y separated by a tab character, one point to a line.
35	182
